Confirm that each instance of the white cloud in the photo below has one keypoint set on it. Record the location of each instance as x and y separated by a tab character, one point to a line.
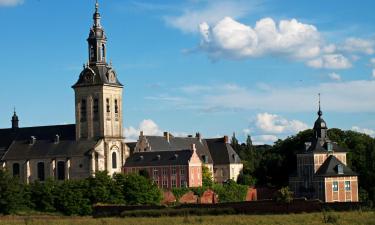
364	130
232	39
275	124
210	13
264	139
358	45
334	76
149	127
288	98
6	3
373	73
330	61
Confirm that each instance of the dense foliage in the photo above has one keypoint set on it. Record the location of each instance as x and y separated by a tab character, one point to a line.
272	165
75	197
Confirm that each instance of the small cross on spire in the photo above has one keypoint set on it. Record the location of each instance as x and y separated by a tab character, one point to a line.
320	113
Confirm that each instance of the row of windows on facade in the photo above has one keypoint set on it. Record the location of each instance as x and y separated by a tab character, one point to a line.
96	108
165	185
60	168
164	171
335	186
41	170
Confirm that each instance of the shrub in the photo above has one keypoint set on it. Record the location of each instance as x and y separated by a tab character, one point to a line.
42	195
231	192
103	189
72	199
12	193
179	192
284	195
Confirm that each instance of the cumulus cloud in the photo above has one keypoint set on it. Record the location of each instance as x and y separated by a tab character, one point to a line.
358	45
334	76
6	3
211	13
230	38
275	124
149	127
330	61
364	130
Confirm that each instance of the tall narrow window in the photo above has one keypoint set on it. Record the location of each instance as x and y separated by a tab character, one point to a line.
335	186
16	169
41	175
114	160
96	109
103	51
83	110
108	105
61	170
347	185
116	106
92	55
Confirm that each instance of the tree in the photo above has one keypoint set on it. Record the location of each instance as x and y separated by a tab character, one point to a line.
72	199
246	179
206	177
11	193
43	195
284	195
231	191
103	189
139	190
234	143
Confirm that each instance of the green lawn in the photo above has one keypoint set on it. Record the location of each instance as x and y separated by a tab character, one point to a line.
356	217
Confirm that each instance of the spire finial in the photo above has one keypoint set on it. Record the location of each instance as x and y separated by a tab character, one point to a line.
96	5
320	113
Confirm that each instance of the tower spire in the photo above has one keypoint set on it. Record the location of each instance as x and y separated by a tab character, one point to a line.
320	113
15	120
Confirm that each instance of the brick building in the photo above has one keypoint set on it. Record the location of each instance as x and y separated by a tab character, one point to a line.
168	169
322	171
215	153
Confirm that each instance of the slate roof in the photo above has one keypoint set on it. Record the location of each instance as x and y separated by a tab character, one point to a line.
160	143
99	76
329	168
222	153
48	149
320	146
159	158
15	144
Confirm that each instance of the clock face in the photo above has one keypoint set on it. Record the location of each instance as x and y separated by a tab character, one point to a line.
89	78
323	124
112	77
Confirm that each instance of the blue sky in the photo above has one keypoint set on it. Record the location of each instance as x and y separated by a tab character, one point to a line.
214	67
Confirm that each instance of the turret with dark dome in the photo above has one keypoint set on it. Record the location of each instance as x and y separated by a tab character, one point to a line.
97	71
320	126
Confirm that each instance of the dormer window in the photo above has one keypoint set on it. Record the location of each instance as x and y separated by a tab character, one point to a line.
329	147
204	159
340	169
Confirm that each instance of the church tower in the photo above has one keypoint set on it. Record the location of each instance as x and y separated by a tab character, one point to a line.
98	103
98	92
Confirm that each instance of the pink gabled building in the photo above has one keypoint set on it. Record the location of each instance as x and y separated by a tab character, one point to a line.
168	169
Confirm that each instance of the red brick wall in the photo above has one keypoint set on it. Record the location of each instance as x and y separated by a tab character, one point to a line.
189	198
168	198
208	197
341	195
251	194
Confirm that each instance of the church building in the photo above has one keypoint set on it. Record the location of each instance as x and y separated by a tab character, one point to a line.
94	143
322	171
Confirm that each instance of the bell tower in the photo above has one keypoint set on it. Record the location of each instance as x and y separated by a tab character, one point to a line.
98	92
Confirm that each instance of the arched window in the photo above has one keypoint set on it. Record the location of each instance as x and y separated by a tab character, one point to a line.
16	169
114	160
92	55
103	51
61	170
40	166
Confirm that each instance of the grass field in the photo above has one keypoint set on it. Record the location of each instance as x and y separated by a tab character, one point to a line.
356	217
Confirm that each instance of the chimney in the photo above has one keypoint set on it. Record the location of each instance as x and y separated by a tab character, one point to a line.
198	136
32	140
57	139
167	136
226	139
141	133
193	148
307	145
